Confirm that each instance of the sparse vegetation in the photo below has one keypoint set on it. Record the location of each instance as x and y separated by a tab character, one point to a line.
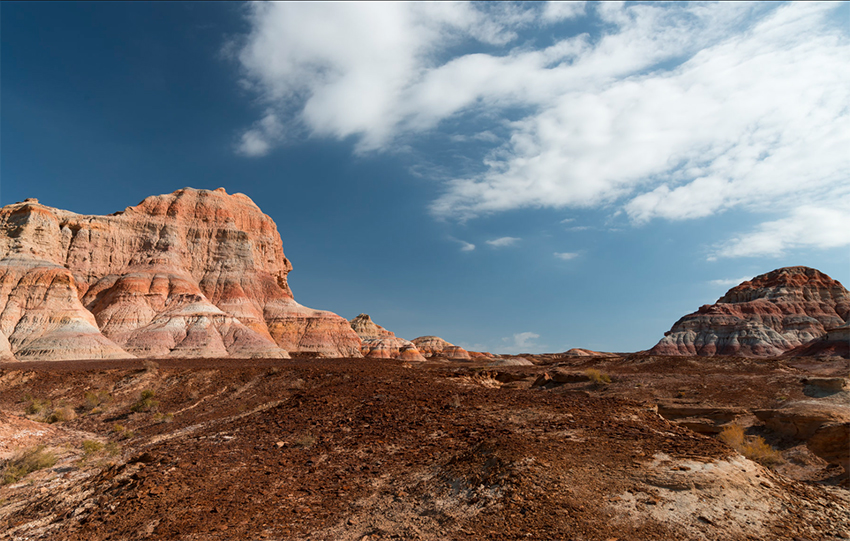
752	447
597	377
25	462
61	414
163	417
91	447
95	399
37	406
146	402
122	432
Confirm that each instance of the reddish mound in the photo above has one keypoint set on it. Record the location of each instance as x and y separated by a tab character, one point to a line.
766	316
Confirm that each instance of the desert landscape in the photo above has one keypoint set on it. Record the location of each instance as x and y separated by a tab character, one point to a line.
159	381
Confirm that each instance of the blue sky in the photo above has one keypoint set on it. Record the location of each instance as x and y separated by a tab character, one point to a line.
511	177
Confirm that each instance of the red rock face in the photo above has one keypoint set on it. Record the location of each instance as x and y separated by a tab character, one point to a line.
766	316
195	273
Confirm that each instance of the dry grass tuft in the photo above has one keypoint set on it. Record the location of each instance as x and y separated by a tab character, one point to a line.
146	402
25	462
597	377
752	447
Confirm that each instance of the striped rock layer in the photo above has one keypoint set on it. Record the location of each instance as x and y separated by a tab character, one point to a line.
767	316
195	273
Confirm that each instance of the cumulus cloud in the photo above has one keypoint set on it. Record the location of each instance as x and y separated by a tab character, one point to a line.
566	256
503	242
523	342
819	226
559	11
675	112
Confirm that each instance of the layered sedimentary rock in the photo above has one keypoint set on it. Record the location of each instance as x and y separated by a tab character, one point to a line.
195	273
835	343
434	346
766	316
383	344
366	328
390	347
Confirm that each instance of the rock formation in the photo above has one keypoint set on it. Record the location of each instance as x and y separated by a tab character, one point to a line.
380	343
195	273
366	328
5	349
390	347
766	316
434	346
835	343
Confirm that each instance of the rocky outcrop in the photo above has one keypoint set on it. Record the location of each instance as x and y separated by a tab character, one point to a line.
366	328
195	273
831	442
378	342
766	316
390	347
579	352
835	343
434	346
5	349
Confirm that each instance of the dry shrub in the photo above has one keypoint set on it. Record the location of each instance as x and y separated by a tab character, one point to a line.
91	447
61	414
37	406
752	447
94	399
733	436
146	402
122	432
25	462
597	377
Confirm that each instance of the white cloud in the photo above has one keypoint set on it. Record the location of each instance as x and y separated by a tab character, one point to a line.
676	112
566	256
523	342
560	11
730	282
464	246
816	226
503	242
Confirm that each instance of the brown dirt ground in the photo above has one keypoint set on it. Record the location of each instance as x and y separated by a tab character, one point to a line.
372	449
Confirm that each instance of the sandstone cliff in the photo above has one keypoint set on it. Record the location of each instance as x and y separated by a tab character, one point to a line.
195	273
766	316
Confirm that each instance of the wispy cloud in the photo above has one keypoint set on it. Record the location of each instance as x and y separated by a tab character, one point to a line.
730	282
464	246
523	342
566	256
677	111
503	242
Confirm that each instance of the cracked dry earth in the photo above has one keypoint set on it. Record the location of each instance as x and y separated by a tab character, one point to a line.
354	449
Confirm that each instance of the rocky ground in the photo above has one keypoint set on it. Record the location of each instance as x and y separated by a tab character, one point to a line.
354	449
